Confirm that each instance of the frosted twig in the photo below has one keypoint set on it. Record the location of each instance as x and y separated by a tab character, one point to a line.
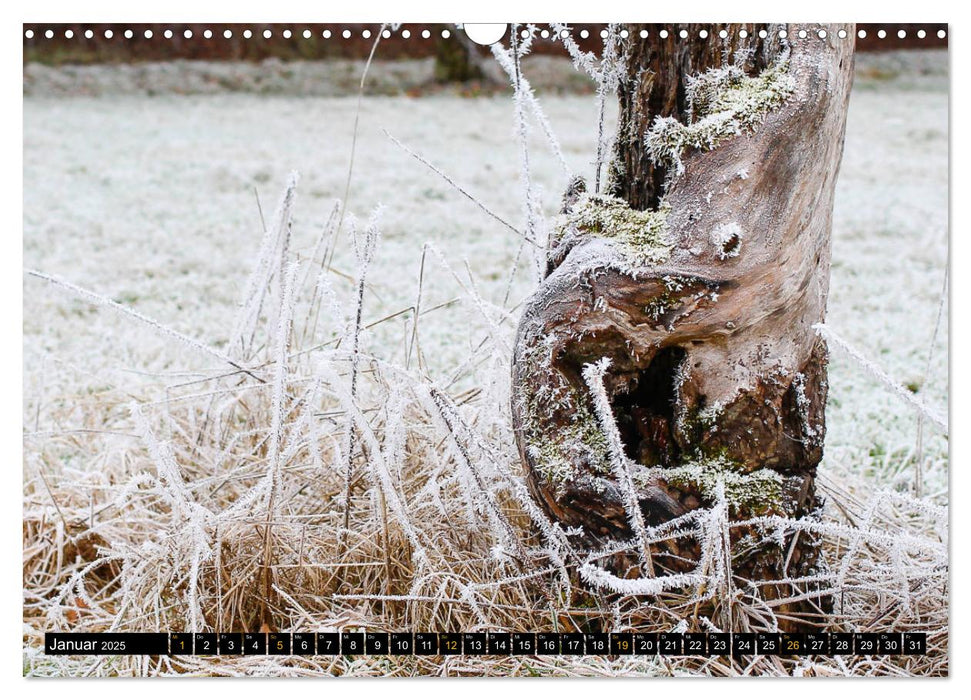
600	578
922	408
582	60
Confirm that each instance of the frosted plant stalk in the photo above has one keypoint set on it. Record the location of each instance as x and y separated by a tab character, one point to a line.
271	256
593	375
377	461
142	318
282	350
350	161
606	73
524	92
465	193
510	62
364	253
922	408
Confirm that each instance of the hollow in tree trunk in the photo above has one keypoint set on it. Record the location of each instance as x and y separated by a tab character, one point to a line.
699	273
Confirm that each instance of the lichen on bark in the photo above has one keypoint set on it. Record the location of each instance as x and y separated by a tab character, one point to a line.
581	442
722	103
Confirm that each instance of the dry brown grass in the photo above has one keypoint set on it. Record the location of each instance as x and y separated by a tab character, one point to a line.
218	503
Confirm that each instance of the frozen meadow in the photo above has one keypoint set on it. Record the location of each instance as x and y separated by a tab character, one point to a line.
158	203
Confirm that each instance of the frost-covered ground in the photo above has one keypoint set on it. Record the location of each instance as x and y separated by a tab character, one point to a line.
152	201
156	202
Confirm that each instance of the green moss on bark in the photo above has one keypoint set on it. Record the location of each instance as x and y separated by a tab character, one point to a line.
757	492
640	234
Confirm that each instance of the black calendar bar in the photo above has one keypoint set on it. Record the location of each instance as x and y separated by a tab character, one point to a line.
105	643
487	644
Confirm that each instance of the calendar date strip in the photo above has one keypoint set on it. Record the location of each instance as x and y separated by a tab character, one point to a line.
483	644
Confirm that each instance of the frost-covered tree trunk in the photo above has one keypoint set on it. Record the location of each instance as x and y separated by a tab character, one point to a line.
698	274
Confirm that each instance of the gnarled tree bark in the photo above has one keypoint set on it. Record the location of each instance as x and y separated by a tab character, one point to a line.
699	274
